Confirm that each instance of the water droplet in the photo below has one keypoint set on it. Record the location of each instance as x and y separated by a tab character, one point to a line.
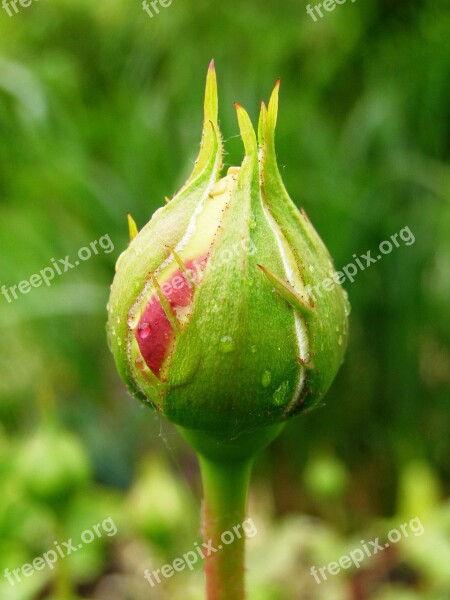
226	344
118	320
140	364
119	342
133	320
252	222
337	328
280	394
166	336
347	306
253	348
233	170
340	340
219	188
266	378
120	260
144	330
311	268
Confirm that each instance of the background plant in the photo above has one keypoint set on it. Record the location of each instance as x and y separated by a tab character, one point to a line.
98	116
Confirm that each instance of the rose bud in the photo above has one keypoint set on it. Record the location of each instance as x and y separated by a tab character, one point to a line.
226	314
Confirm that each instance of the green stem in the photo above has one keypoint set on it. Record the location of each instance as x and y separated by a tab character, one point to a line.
62	583
225	486
225	464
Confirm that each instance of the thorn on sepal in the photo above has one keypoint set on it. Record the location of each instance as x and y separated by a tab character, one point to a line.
182	266
288	293
165	305
132	227
306	364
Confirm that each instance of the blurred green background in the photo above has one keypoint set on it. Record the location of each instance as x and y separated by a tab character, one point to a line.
100	114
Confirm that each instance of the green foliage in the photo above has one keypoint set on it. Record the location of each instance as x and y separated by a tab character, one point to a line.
100	115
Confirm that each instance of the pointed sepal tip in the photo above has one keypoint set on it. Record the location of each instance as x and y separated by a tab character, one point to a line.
132	227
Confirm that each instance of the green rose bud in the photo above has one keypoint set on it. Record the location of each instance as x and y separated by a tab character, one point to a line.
226	314
52	464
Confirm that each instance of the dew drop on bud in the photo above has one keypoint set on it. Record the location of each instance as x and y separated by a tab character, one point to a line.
233	170
253	349
140	364
120	260
347	306
133	320
279	397
144	330
219	188
266	379
340	340
226	344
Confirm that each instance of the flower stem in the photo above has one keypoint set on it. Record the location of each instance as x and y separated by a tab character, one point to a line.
225	486
62	583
